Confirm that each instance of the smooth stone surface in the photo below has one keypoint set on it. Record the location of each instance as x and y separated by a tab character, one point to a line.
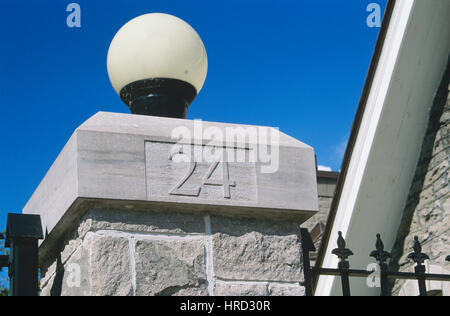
129	160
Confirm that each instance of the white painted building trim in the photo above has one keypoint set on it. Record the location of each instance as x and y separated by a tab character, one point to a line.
399	75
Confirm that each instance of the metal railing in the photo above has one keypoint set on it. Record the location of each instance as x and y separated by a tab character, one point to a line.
22	234
344	272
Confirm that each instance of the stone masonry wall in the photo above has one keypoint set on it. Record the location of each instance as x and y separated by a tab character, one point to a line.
427	211
326	185
135	252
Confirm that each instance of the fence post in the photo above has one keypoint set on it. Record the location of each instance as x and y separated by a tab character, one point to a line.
307	247
382	256
418	257
22	235
4	259
343	254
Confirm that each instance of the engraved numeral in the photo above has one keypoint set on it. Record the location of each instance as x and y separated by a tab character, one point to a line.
225	182
176	190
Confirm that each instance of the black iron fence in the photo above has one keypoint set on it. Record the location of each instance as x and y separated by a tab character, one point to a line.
344	272
22	234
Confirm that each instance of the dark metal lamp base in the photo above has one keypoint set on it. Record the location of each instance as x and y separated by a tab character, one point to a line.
159	97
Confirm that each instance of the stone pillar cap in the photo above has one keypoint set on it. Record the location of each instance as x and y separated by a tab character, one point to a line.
129	161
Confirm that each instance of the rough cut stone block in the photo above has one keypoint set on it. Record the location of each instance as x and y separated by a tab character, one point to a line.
145	221
110	267
241	289
257	289
286	290
100	267
118	255
70	279
246	249
170	267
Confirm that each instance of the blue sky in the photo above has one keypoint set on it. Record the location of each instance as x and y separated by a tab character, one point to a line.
294	64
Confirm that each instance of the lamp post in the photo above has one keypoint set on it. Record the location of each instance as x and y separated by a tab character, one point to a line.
157	63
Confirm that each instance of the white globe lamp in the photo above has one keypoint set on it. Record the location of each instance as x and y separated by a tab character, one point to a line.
157	63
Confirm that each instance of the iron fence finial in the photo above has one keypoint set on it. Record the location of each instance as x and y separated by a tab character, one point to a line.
344	271
417	256
341	251
380	255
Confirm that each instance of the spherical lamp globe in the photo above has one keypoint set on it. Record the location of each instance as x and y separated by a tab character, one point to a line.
157	63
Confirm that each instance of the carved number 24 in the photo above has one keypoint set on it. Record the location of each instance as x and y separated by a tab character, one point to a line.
206	180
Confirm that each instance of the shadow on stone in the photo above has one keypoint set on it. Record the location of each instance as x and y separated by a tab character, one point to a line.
146	220
434	126
56	289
